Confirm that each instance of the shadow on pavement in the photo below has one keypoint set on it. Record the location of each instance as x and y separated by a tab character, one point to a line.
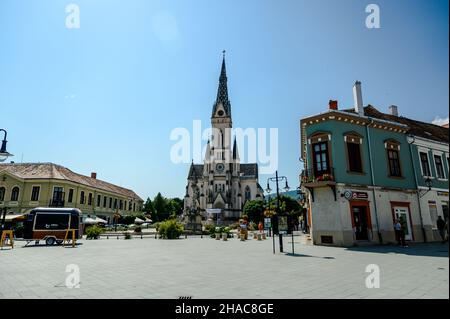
303	255
414	249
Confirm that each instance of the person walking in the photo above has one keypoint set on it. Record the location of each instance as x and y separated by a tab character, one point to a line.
441	227
400	233
398	229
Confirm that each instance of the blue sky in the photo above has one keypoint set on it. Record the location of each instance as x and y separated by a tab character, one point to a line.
106	96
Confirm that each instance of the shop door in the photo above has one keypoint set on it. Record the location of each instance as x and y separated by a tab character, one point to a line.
360	224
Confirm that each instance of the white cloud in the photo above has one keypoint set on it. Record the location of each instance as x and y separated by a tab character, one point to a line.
440	121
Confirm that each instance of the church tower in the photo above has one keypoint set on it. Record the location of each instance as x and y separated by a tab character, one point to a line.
221	182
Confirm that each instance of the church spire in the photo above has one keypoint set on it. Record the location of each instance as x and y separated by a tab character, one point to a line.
222	91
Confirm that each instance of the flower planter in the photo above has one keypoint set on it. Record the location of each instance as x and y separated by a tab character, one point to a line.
217	236
224	236
259	236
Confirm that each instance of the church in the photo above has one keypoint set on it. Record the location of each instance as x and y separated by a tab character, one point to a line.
222	184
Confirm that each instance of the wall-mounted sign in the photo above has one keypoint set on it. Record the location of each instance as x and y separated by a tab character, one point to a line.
349	195
360	195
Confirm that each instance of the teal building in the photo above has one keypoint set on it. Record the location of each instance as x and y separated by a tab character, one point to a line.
362	171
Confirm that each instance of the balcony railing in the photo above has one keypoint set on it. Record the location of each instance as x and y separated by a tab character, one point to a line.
310	176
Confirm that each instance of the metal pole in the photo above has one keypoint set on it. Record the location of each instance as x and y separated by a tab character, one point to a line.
292	239
280	236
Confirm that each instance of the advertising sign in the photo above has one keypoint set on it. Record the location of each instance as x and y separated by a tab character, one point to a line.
267	223
282	225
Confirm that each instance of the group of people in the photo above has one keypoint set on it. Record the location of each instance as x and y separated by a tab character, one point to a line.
400	230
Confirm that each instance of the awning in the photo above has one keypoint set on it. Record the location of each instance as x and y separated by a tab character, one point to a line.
12	217
94	221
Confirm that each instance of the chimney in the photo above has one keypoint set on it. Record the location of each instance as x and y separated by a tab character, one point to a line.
333	104
393	110
357	97
94	175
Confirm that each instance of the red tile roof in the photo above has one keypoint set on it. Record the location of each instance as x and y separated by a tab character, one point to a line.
58	172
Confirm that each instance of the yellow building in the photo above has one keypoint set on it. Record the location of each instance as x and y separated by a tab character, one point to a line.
29	185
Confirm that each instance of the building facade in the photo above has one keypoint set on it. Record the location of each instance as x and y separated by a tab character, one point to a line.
222	182
27	186
361	174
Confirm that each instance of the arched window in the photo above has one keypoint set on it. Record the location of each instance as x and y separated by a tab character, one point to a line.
2	194
15	194
248	194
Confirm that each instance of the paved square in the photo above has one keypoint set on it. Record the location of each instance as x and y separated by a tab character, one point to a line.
208	268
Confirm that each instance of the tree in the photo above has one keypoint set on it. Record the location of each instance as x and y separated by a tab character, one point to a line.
287	205
160	208
148	206
254	209
175	206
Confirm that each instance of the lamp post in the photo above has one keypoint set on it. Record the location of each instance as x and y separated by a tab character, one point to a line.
4	154
277	179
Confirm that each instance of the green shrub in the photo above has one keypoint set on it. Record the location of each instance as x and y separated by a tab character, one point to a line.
93	232
170	229
127	235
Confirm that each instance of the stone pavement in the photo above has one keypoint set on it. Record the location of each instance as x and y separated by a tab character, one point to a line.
207	268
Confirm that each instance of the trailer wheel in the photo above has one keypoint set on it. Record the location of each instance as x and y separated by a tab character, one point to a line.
50	241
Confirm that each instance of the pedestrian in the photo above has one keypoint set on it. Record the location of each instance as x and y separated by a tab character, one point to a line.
260	227
441	227
397	229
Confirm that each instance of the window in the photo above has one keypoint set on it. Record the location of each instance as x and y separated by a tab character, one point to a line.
104	201
129	205
15	194
58	195
320	158
82	197
425	164
439	167
70	197
115	203
99	200
110	202
35	193
134	207
354	157
90	199
51	221
248	194
394	163
121	204
2	194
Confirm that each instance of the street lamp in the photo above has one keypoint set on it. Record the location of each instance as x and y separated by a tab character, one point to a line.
278	179
4	154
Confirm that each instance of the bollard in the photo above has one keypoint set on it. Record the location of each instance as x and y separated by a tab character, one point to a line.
117	236
141	236
107	236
